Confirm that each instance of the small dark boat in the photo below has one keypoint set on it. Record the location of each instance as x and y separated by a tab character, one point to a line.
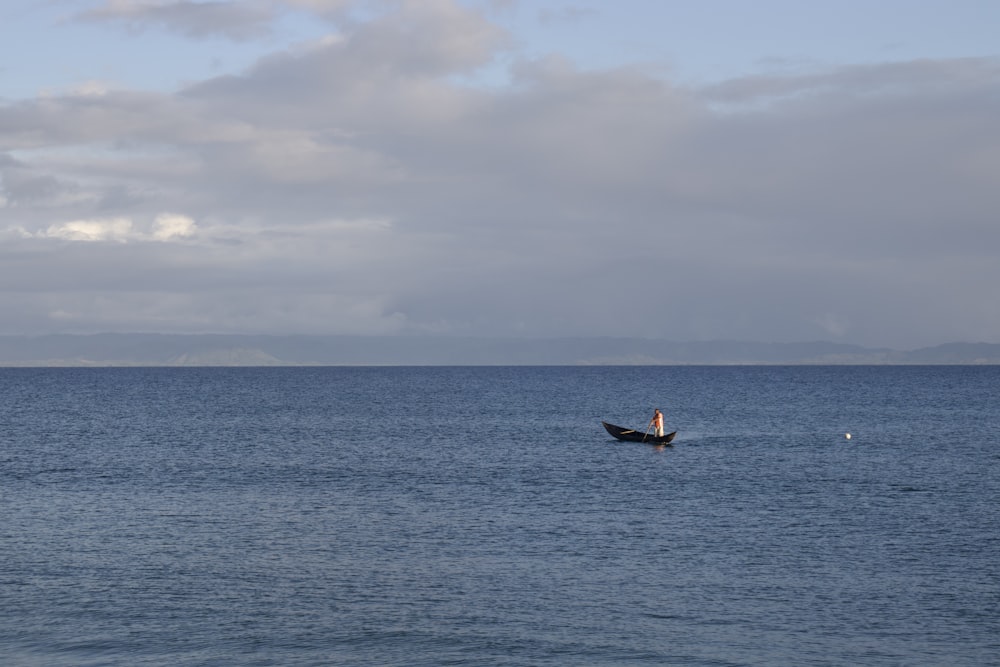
638	436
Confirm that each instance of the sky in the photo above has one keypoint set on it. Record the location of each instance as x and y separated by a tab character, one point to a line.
774	170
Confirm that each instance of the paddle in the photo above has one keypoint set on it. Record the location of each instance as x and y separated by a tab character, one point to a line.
647	432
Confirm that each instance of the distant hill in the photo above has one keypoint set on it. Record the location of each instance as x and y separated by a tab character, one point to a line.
234	350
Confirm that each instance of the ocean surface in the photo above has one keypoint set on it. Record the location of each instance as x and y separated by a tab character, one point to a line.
481	516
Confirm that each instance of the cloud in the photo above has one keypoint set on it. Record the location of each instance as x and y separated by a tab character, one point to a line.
166	227
114	229
366	185
568	14
238	20
169	226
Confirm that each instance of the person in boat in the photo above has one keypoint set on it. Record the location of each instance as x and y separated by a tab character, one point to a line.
657	423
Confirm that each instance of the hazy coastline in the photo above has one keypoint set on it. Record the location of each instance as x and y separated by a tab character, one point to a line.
252	350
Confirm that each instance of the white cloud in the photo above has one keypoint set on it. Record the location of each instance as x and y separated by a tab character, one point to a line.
90	89
15	232
166	227
169	226
112	229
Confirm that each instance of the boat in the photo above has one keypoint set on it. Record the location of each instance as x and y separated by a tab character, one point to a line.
638	436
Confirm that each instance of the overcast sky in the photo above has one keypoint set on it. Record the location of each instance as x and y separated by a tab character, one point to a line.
773	170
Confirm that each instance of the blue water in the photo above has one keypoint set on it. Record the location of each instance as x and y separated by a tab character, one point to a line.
481	516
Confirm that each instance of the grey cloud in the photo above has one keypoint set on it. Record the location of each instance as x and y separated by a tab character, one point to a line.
854	203
568	14
938	77
242	20
394	69
19	186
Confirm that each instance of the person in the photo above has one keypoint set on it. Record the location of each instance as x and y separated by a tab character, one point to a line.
657	422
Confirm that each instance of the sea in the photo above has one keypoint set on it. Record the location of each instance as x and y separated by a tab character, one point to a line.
479	516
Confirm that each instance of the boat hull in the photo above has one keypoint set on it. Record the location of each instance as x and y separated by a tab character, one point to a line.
631	435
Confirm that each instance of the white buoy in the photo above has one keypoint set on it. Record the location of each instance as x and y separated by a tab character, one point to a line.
847	435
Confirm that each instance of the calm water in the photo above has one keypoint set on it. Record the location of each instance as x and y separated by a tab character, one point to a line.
481	516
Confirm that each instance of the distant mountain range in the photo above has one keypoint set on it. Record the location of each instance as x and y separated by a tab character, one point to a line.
236	350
